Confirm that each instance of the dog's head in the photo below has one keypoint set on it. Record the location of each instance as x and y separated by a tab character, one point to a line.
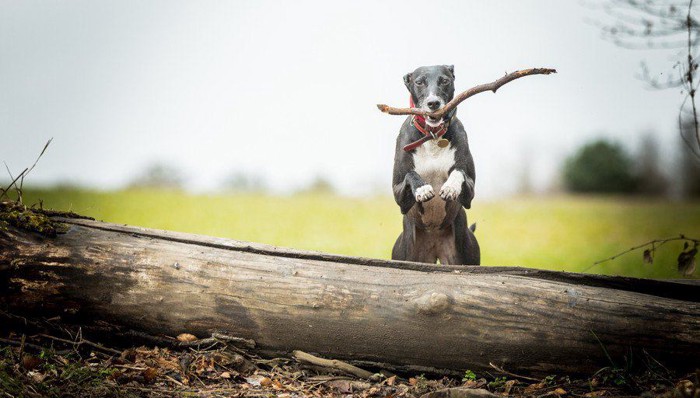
431	86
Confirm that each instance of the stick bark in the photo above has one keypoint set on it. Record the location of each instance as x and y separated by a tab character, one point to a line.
493	86
332	364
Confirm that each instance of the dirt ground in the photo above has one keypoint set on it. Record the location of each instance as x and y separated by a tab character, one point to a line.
59	361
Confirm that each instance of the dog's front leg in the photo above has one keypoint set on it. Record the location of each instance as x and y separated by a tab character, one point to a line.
458	185
411	190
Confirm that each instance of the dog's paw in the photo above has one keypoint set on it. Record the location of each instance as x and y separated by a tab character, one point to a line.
424	193
448	192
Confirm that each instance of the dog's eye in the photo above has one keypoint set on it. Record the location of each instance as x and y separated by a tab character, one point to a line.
444	82
420	82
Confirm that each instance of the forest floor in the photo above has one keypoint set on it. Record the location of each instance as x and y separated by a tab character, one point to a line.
59	361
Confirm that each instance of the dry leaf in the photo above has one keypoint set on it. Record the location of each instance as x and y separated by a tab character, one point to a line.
36	376
265	381
30	362
186	337
150	374
686	261
226	375
509	386
559	391
474	383
594	394
342	386
277	385
412	381
534	387
252	381
390	381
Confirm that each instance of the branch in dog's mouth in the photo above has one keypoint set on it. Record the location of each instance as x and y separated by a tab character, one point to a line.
493	86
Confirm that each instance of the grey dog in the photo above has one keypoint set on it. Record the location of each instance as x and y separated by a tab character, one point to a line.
434	176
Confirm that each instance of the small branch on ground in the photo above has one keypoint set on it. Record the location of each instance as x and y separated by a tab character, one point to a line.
332	363
493	86
216	338
23	344
505	372
80	341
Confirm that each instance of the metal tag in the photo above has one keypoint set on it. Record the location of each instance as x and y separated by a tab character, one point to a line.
443	142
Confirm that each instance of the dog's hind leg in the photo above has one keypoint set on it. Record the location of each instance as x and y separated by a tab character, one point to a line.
399	250
468	251
404	243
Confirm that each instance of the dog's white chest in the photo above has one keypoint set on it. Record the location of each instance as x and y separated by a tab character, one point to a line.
433	163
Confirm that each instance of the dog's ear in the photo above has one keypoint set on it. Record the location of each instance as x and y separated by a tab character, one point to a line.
451	68
407	80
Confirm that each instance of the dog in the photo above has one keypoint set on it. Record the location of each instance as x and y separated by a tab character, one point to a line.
434	176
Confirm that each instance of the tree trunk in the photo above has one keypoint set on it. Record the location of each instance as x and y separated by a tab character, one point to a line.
400	313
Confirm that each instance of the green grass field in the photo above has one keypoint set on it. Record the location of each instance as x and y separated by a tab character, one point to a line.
562	233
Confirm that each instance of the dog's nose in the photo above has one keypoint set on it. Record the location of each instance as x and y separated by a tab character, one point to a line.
433	105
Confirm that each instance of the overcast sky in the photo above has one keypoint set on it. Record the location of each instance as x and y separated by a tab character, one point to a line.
287	89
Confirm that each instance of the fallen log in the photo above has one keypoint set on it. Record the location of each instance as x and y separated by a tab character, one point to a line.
411	316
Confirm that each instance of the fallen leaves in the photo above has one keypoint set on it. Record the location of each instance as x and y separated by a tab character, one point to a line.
222	372
186	337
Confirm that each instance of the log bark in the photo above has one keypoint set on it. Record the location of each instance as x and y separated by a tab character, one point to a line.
409	315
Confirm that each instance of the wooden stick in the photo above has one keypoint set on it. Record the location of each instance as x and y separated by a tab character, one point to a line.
517	376
493	86
82	341
332	363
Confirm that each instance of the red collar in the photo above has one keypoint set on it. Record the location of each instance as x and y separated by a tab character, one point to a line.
429	132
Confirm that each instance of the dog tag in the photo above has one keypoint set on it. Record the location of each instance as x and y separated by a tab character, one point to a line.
443	142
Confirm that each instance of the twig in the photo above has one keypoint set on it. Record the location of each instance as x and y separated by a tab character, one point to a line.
174	381
20	176
517	376
656	243
235	340
26	345
607	355
217	338
331	363
38	157
21	346
493	86
692	67
14	181
81	341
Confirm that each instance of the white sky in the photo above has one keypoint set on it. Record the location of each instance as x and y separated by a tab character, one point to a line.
287	89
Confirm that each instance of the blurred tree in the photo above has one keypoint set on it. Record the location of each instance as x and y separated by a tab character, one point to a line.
319	185
688	167
159	175
525	186
652	182
243	182
600	167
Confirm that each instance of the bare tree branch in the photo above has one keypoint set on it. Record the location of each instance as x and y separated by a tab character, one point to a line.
665	25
